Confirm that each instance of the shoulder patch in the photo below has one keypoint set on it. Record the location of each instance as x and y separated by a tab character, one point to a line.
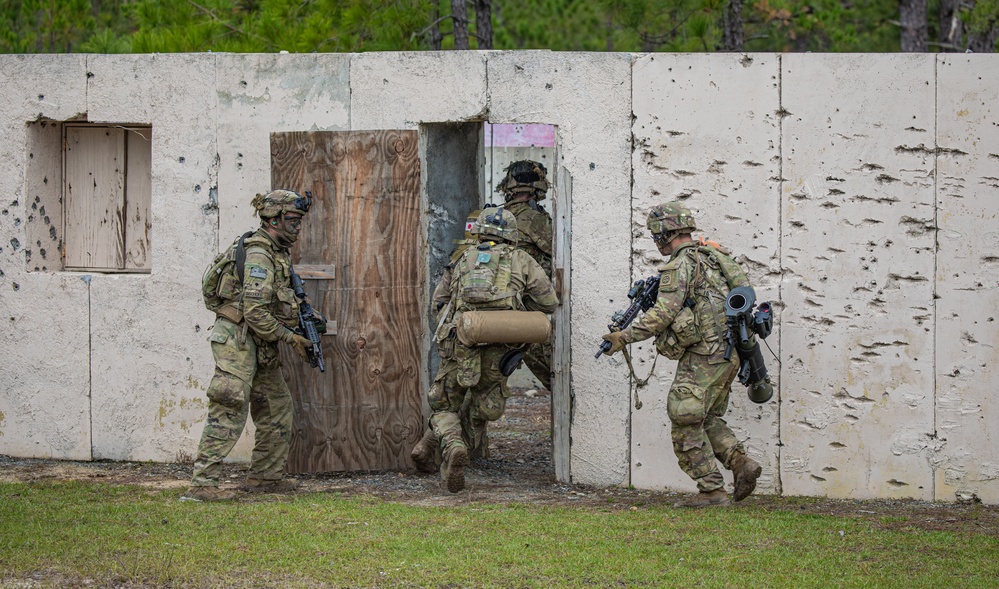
667	279
258	272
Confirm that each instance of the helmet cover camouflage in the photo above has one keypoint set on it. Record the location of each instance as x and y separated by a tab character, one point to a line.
524	176
278	202
670	218
497	223
470	221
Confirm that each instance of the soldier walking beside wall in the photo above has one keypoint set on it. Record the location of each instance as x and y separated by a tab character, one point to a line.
688	321
255	303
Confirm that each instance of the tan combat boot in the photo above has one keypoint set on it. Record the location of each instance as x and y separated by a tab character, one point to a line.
424	453
270	485
453	473
718	498
746	471
206	493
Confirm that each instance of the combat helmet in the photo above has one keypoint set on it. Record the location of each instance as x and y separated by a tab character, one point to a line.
460	245
497	223
525	176
667	220
278	202
470	222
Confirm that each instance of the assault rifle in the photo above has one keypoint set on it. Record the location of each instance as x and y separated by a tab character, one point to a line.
309	326
643	295
743	327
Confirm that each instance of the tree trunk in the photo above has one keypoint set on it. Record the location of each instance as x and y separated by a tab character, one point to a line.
460	19
484	23
912	16
733	37
951	26
435	29
984	42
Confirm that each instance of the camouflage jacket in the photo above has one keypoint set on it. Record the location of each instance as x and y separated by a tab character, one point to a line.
698	278
535	229
269	303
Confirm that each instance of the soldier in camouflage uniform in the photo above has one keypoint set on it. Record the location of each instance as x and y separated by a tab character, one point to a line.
426	453
523	187
518	283
244	342
688	322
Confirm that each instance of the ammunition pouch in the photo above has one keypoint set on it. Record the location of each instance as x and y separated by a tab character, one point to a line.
231	312
469	362
668	345
476	328
685	327
681	334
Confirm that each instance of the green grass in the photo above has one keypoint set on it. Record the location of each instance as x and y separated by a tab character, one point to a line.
73	533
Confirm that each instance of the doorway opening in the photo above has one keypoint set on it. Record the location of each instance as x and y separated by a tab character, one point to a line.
463	165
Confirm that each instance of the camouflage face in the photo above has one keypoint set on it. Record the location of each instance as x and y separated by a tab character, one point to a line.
668	219
287	227
525	177
497	223
278	202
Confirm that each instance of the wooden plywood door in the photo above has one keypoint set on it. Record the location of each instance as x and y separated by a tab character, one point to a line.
360	255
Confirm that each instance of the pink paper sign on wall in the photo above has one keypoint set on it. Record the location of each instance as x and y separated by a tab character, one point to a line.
515	135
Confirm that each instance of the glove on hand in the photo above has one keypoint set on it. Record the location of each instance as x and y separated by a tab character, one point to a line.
299	344
617	340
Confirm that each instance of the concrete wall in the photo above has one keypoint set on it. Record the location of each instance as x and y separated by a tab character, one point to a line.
860	191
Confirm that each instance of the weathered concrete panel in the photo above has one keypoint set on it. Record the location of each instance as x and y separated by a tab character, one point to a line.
858	256
967	281
588	98
176	95
44	387
149	399
43	87
401	90
262	94
720	157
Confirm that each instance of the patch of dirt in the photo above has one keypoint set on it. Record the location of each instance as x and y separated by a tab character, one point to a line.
519	469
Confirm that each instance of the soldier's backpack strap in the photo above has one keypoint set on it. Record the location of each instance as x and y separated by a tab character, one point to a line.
730	269
241	256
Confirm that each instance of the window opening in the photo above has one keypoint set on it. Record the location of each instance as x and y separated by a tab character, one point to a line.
106	197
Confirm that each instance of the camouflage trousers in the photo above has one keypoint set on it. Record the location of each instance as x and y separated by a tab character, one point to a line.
247	381
696	403
459	412
538	358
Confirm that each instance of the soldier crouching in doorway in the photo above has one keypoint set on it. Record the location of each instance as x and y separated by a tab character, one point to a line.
494	276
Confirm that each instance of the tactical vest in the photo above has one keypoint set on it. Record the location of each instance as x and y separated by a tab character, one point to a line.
700	326
482	280
709	289
284	305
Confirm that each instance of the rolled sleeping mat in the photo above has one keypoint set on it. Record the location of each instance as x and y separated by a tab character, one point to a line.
503	327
